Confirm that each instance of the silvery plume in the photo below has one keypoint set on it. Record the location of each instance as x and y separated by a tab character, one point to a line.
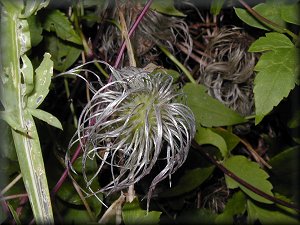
131	123
228	72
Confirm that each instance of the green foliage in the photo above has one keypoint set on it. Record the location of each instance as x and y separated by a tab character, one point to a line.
207	136
57	22
63	54
199	192
189	181
269	216
236	205
290	13
283	173
269	10
36	29
277	72
196	216
133	214
216	6
166	7
277	12
208	111
251	173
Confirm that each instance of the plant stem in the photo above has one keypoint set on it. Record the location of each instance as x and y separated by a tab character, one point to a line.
132	29
243	182
264	20
11	184
65	174
25	136
179	64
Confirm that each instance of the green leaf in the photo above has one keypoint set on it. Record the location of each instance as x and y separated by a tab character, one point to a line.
10	118
251	173
269	10
42	82
68	193
196	216
208	136
76	216
23	36
36	29
166	7
272	41
290	13
236	205
285	168
277	72
32	6
207	110
90	165
133	214
63	53
46	117
216	6
189	181
294	121
231	139
58	22
7	148
27	72
268	216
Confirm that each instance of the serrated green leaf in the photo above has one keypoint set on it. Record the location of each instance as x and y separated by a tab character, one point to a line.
42	80
236	205
208	136
58	22
63	54
189	181
166	7
46	117
268	216
272	41
277	72
269	10
251	173
290	13
208	111
36	29
133	214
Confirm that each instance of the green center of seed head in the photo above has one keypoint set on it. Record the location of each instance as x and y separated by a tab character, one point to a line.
142	107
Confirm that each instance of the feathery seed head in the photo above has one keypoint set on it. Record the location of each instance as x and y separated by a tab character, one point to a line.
128	124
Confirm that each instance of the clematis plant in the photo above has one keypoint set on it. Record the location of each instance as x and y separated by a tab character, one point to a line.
131	123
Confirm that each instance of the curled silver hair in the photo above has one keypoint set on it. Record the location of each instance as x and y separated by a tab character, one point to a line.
229	70
126	126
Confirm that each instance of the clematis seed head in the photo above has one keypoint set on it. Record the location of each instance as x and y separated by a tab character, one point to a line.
130	124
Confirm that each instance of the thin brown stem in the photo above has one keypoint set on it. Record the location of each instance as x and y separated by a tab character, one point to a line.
243	182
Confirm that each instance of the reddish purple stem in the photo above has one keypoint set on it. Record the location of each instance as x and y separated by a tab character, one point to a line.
132	29
65	174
